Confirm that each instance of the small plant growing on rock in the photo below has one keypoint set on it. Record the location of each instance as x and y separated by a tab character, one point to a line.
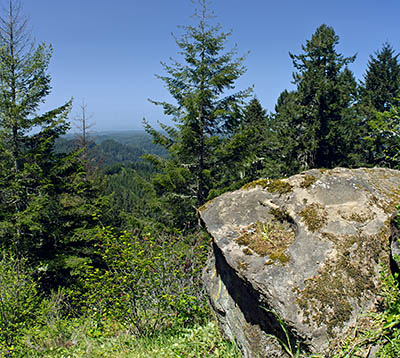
268	239
293	352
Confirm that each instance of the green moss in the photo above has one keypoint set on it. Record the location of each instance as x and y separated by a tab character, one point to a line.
267	239
279	186
314	216
205	205
328	297
281	215
280	256
308	180
260	182
358	217
272	185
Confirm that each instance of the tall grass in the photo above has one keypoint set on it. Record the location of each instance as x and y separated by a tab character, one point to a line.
79	339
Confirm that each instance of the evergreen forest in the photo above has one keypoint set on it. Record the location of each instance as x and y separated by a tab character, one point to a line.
101	248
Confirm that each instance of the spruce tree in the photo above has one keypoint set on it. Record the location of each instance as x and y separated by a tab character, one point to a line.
46	201
379	93
289	135
381	83
321	109
246	155
202	113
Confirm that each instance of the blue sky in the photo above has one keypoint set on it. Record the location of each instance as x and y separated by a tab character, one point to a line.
107	52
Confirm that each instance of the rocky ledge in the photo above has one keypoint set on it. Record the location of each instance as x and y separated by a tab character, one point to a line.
301	256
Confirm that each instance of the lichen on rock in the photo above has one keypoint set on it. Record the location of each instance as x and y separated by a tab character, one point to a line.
309	247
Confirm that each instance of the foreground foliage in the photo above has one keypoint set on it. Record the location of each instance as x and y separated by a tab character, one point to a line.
146	283
73	287
76	339
19	301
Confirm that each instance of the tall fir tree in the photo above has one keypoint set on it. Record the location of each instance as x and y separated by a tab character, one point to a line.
46	201
379	92
381	83
202	113
247	154
321	119
288	135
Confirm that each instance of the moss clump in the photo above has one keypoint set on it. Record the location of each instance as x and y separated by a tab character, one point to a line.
359	217
272	185
243	266
205	205
279	186
267	239
308	180
314	216
280	256
260	182
281	215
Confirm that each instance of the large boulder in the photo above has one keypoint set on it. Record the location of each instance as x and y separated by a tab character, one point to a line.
299	258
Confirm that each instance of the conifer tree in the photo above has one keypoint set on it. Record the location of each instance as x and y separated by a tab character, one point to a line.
45	200
379	93
321	109
381	83
288	134
202	113
246	155
387	124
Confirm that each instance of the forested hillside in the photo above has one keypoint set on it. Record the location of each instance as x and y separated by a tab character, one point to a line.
101	249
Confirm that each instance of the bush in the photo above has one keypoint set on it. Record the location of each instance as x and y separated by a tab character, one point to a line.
19	301
147	283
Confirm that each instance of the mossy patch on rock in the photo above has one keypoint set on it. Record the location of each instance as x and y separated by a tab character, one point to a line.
328	297
267	239
314	216
272	185
359	217
205	205
308	181
281	215
280	187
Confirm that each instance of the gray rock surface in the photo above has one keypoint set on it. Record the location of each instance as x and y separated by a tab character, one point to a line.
305	250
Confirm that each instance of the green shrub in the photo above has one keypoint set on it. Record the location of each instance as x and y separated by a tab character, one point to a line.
19	301
147	283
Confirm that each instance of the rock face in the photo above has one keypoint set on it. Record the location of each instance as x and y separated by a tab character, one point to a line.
300	255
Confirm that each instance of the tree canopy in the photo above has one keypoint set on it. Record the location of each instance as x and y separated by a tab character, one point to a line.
317	121
203	112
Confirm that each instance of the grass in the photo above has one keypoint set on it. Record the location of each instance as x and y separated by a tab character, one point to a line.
199	341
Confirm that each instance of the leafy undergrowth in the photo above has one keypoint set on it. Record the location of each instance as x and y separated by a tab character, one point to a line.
78	339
